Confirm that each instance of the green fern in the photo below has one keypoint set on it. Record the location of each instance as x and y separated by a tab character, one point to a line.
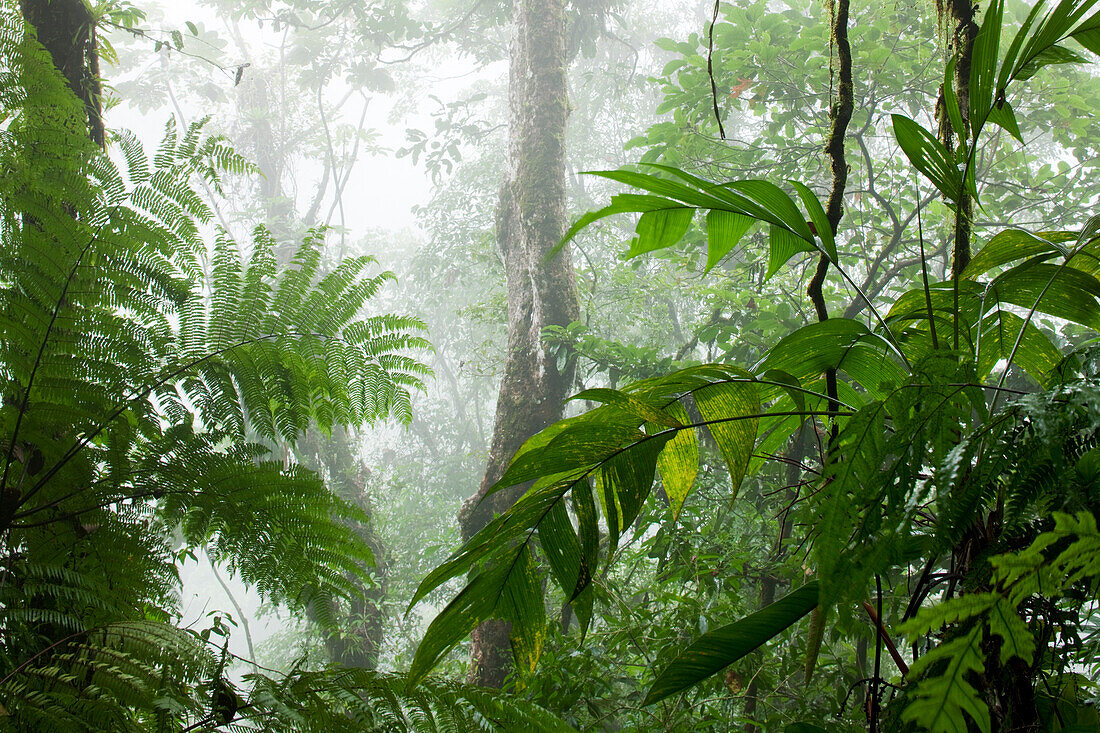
940	702
133	392
355	700
946	674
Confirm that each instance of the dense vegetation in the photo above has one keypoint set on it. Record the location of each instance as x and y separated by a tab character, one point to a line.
873	505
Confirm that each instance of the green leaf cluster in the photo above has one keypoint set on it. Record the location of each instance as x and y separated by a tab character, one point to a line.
945	696
917	472
149	365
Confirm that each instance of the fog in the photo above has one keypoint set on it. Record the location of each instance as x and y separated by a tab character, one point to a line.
408	134
549	365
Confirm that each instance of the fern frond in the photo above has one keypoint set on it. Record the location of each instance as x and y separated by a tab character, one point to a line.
109	678
943	703
356	700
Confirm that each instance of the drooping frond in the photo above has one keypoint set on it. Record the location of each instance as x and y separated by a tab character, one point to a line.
128	676
355	700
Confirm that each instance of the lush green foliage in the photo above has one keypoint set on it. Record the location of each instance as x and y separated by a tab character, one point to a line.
146	369
923	473
151	364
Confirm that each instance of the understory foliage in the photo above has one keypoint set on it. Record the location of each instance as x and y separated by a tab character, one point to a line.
950	493
148	366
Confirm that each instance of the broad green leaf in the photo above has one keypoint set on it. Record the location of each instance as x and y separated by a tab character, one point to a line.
724	230
908	317
640	203
732	411
776	433
503	531
782	246
730	200
523	605
672	386
660	229
819	219
588	529
623	203
599	415
788	384
1016	244
928	155
509	590
476	602
678	461
701	199
1048	57
983	64
1062	292
1009	65
1037	355
561	547
837	343
630	403
775	200
581	445
804	728
625	480
1089	232
1052	28
1003	116
1088	34
719	648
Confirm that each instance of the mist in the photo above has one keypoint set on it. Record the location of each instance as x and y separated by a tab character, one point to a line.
591	365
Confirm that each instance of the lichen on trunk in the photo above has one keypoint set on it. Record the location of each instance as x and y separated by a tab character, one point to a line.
541	292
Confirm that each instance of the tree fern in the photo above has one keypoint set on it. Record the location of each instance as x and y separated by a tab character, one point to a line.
946	675
133	396
358	700
150	676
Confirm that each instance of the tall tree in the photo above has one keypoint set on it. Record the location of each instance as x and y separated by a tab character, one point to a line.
541	292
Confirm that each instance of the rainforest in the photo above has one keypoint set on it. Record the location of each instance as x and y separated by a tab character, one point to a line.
549	365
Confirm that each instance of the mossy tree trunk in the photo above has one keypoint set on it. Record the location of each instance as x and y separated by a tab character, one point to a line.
961	15
531	219
67	29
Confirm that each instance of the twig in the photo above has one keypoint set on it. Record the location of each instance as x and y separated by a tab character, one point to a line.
710	71
881	630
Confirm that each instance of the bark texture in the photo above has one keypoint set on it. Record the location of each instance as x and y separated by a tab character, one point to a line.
67	29
541	292
960	15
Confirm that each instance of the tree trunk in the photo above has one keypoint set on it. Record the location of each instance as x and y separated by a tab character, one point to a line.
67	29
530	221
960	14
361	619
